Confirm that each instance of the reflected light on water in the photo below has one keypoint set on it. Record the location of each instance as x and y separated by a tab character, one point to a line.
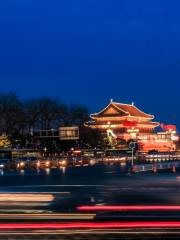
92	162
22	172
63	169
48	171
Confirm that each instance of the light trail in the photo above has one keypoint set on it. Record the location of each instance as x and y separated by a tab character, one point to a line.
95	233
128	208
47	216
26	197
60	185
91	225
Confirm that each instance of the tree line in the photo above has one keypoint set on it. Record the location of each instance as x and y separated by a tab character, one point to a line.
22	116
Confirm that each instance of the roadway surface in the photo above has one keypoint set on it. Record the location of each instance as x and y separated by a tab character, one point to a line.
97	202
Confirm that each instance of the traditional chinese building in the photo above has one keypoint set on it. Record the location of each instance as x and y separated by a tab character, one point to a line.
121	123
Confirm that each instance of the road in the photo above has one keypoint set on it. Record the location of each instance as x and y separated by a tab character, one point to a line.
82	203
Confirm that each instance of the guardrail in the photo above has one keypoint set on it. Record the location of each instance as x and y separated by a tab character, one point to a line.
156	166
165	157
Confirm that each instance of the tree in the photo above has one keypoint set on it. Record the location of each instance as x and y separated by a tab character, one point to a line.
19	118
91	137
11	115
4	142
78	114
45	113
51	112
31	110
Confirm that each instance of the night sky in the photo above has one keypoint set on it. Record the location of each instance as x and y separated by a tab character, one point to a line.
89	51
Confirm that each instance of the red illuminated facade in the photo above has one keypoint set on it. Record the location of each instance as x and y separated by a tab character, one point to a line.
122	123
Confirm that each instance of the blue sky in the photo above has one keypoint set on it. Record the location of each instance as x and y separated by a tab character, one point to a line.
91	51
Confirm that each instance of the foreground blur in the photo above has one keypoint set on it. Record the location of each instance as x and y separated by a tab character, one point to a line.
84	202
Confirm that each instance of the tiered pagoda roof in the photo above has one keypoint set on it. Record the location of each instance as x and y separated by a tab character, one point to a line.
120	109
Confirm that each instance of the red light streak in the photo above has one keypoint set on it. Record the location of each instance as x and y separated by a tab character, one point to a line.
129	208
90	225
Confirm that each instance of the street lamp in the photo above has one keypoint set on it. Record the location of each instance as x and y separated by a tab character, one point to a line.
132	146
45	151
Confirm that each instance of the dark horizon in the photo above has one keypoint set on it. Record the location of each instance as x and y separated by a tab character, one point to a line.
89	52
92	108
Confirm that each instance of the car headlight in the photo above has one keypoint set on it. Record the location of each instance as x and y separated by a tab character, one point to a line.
47	163
21	164
62	162
1	165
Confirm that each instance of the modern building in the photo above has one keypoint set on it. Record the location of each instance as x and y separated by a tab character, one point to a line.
57	140
122	123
